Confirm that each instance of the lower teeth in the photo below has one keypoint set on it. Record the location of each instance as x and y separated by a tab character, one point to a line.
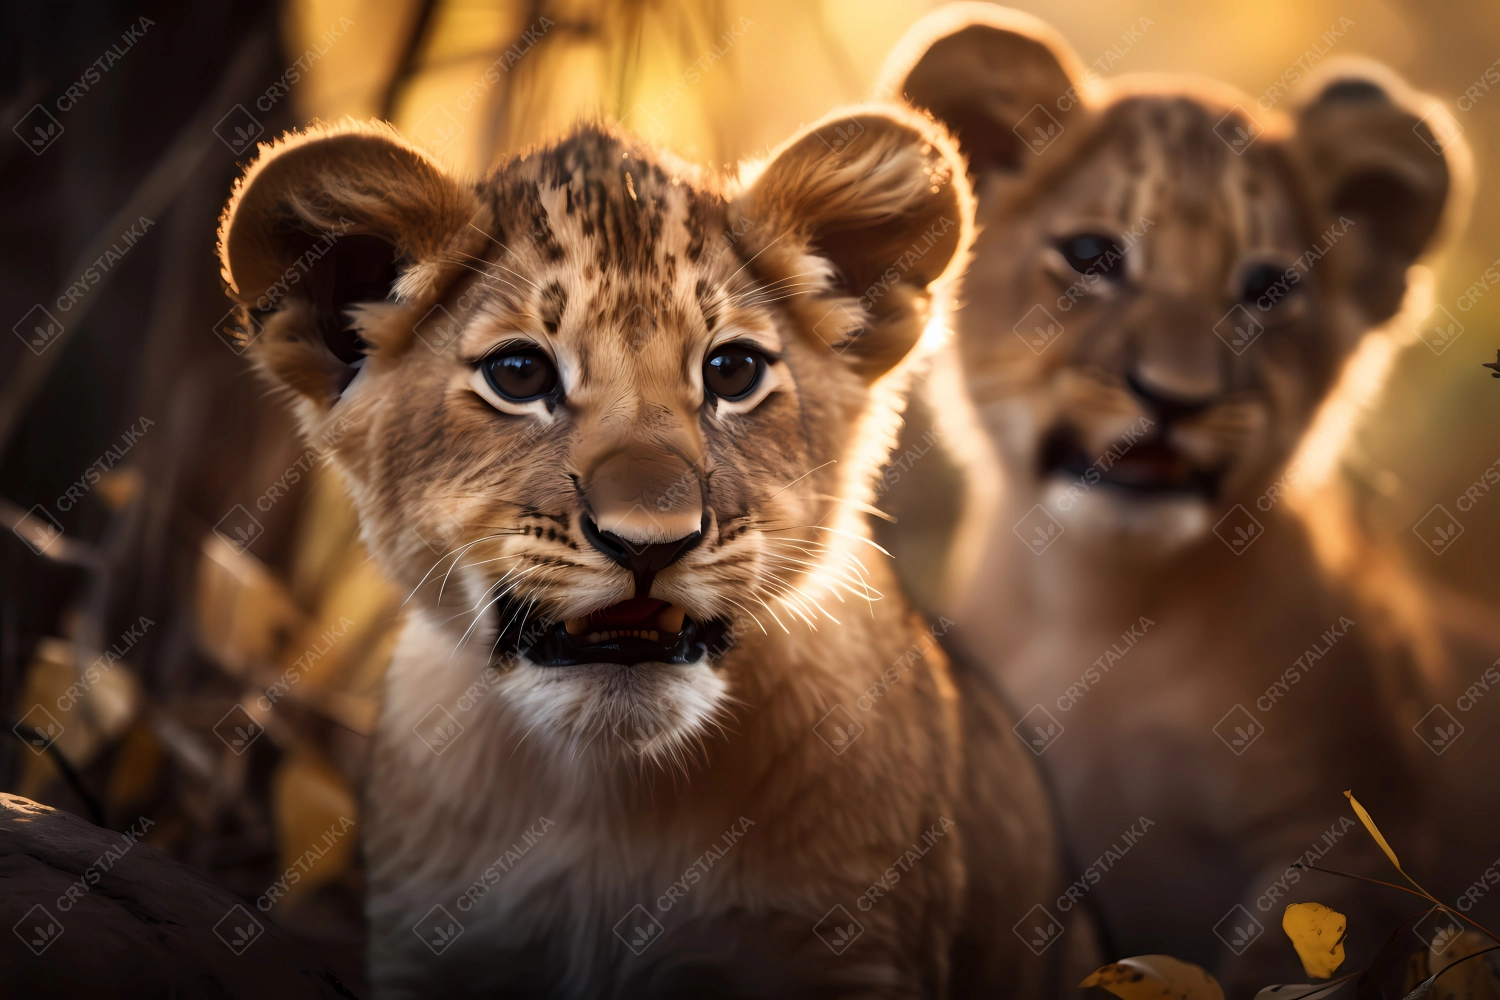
650	635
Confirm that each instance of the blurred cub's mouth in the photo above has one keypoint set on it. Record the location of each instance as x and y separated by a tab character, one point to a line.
638	630
1150	467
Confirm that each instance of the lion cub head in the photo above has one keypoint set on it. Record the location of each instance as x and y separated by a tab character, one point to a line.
592	407
1168	277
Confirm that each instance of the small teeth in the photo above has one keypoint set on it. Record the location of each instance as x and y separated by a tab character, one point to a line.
649	634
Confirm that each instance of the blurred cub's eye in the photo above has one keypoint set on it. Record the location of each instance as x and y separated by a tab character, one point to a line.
1266	285
733	372
1094	253
520	375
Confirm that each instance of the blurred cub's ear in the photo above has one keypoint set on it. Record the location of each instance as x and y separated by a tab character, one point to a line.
1005	83
872	208
1372	151
327	220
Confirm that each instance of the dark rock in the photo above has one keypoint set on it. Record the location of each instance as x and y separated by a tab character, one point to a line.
135	923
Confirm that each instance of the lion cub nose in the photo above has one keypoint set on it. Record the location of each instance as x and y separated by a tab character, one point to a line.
647	510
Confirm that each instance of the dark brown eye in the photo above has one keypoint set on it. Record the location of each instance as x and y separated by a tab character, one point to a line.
732	372
1092	253
520	375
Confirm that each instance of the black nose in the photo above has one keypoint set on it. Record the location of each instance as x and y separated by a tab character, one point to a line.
1167	406
643	559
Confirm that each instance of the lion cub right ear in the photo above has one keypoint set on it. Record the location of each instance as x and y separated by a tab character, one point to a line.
324	221
1005	83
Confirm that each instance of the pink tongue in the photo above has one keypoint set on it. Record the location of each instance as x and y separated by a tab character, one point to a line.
638	612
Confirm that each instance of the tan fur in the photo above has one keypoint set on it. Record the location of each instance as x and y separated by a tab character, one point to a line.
1138	730
569	246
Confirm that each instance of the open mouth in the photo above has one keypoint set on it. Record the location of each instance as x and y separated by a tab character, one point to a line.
640	630
1151	466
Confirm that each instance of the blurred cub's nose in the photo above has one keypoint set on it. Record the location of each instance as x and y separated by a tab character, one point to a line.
647	507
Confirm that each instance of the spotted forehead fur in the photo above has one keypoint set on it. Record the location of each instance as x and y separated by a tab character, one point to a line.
597	227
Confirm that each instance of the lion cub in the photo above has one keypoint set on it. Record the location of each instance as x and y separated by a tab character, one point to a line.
1164	290
647	731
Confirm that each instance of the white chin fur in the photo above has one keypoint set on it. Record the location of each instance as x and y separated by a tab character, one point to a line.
1155	524
654	712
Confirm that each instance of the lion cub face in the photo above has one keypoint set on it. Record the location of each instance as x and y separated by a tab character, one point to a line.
587	407
1164	289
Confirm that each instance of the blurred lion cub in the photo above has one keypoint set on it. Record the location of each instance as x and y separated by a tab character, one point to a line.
1164	289
650	775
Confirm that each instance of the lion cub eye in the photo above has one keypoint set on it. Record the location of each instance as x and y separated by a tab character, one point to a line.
520	375
733	372
1266	285
1093	253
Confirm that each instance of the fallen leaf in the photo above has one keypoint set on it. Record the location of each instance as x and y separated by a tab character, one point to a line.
1318	935
1155	977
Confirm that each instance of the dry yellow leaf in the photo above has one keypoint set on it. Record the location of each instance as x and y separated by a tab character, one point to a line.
1317	933
1364	817
316	812
1155	977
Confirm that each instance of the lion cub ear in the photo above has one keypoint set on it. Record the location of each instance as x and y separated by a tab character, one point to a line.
1005	83
326	221
1384	164
871	209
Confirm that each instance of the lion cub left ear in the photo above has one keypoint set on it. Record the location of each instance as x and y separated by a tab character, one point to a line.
872	209
326	221
1385	164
